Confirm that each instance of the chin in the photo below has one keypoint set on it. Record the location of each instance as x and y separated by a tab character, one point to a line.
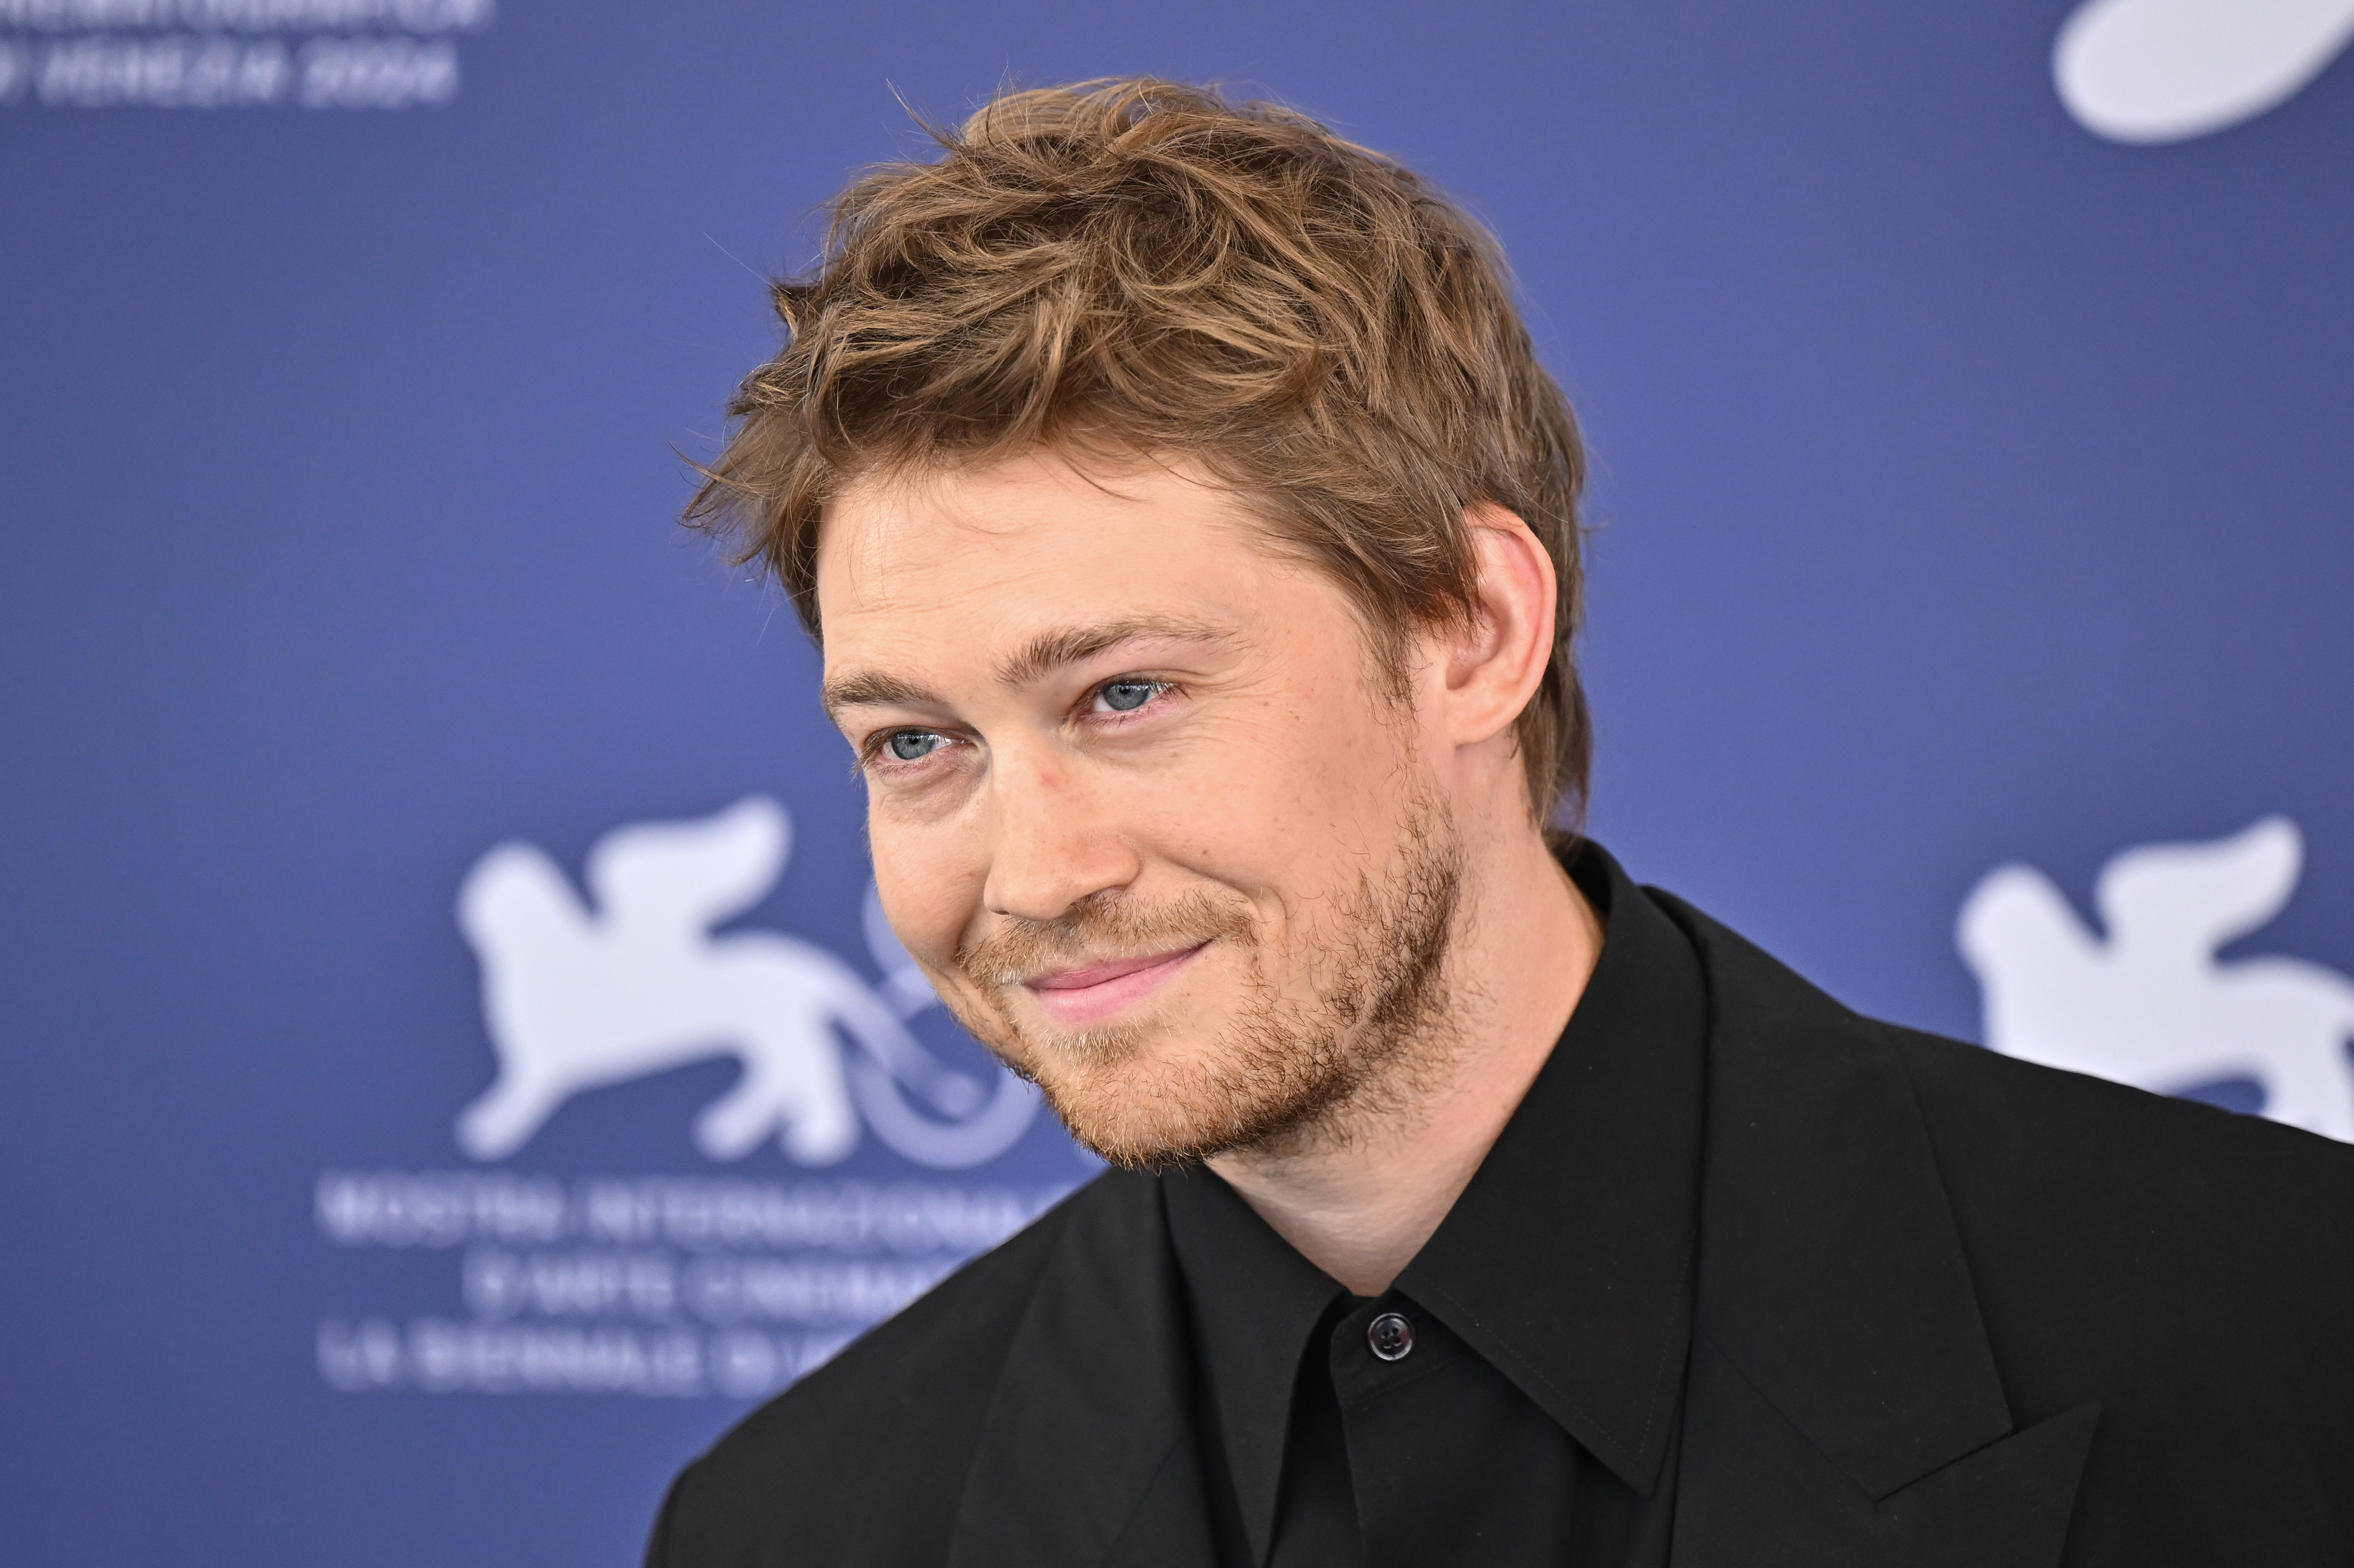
1127	1101
1142	1110
1184	1078
1134	1093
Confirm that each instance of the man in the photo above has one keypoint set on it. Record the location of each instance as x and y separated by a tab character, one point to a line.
1192	538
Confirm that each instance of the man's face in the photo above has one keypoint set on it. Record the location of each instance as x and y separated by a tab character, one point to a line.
1142	805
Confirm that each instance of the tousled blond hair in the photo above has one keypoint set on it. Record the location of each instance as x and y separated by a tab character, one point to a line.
1144	269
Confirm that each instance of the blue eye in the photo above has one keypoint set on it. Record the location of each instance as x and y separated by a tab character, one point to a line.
912	745
1126	696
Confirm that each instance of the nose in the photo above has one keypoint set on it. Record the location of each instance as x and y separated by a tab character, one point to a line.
1058	841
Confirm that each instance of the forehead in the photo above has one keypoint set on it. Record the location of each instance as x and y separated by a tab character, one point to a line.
907	563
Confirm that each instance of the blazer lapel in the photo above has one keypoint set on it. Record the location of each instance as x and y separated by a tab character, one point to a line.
1843	1404
1087	1453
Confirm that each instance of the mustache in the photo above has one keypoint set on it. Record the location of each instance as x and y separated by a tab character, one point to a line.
1098	928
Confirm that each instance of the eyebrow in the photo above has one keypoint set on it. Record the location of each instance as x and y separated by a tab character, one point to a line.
1041	656
871	688
1051	651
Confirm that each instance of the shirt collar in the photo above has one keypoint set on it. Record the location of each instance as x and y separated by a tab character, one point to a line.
1254	1300
1566	1262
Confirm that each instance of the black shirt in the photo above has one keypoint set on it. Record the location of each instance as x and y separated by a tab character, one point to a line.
1512	1398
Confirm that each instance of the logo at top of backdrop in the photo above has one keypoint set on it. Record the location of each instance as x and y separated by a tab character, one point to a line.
2168	71
577	997
2149	1004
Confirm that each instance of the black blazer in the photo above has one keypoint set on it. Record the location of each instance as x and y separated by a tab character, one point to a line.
1950	1309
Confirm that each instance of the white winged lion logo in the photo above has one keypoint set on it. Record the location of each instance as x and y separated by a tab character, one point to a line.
574	998
2168	70
2149	1004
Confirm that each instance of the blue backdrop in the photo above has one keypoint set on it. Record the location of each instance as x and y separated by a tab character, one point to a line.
1972	488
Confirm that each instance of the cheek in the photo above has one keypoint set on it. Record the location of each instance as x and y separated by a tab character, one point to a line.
1272	793
930	895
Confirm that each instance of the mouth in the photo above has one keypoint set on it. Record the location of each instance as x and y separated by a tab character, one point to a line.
1079	997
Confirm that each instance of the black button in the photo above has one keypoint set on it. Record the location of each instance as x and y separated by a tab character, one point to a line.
1391	1336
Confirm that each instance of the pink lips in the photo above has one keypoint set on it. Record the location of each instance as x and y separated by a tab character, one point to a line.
1078	998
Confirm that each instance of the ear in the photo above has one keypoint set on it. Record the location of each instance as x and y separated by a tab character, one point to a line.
1494	666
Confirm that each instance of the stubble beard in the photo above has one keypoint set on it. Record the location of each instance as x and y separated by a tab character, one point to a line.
1286	1072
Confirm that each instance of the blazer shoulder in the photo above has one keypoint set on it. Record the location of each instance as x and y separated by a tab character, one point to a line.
2186	1273
2189	1269
2170	1229
862	1459
1985	1108
2077	1141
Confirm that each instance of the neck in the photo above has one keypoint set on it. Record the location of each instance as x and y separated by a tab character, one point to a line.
1359	1196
